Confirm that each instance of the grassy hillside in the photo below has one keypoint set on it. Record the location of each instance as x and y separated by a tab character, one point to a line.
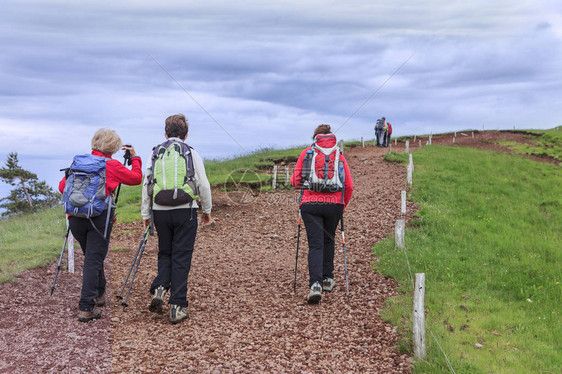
30	240
488	238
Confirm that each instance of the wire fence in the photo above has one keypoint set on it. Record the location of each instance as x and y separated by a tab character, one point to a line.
449	365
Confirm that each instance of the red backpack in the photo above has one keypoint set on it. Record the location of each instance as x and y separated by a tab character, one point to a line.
323	169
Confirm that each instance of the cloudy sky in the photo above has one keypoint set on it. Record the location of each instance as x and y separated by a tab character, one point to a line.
259	74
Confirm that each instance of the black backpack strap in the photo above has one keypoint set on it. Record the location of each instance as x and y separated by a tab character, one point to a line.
186	152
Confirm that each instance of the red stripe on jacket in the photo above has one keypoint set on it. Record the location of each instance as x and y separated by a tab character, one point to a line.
115	173
325	197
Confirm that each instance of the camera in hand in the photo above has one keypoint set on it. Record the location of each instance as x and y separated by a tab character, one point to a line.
127	155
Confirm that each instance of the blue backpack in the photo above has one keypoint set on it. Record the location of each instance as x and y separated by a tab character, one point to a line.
84	191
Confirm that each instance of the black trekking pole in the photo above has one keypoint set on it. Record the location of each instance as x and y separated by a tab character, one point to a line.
137	259
60	260
342	176
297	253
344	258
120	297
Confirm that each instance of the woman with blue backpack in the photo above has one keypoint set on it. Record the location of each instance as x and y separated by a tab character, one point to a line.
88	188
322	174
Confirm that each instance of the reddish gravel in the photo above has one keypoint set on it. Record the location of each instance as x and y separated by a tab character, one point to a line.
244	315
40	333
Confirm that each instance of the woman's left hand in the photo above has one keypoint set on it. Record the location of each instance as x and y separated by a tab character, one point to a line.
129	148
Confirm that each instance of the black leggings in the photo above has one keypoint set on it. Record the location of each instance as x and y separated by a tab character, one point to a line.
94	247
321	221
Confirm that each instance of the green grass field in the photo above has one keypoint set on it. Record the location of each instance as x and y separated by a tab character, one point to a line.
29	241
488	238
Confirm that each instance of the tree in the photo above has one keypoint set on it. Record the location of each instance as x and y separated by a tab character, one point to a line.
30	194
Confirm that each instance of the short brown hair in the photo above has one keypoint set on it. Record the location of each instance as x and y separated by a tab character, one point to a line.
177	126
106	141
322	129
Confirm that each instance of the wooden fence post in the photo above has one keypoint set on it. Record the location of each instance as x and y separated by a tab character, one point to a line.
473	135
341	146
395	142
362	142
454	139
419	316
403	202
420	143
70	246
414	138
274	177
399	233
407	146
409	171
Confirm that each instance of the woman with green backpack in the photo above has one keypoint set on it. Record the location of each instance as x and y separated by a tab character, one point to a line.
174	180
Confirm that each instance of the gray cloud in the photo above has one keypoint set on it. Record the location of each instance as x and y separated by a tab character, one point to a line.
270	72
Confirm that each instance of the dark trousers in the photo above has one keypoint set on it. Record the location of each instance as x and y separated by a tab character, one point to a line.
94	247
321	221
176	229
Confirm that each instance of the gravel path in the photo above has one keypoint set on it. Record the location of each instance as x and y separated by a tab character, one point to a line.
40	333
244	315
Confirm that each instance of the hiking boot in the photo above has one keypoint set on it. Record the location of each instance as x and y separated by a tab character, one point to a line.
88	315
328	284
100	300
157	300
315	293
177	313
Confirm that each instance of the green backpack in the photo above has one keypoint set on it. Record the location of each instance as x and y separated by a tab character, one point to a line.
172	180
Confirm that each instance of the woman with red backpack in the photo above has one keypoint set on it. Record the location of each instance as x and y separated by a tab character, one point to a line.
323	176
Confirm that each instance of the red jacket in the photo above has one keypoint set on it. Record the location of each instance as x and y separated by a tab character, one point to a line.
115	173
326	197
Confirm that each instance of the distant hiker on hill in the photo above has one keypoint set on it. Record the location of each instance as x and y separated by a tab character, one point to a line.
90	226
387	134
379	131
318	174
174	180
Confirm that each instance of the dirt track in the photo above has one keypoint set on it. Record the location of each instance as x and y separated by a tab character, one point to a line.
244	315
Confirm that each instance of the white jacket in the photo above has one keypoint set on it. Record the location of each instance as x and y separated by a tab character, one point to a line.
200	180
